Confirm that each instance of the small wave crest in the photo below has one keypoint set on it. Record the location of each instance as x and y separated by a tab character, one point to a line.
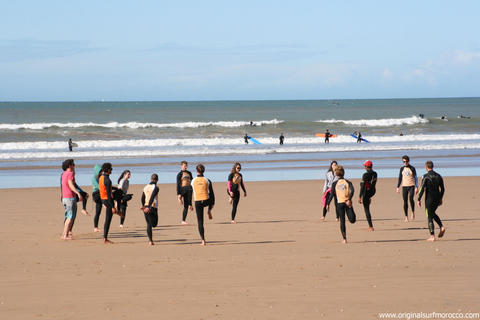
379	122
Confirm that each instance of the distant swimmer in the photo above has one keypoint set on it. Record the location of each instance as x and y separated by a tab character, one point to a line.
463	117
281	138
251	122
443	117
401	133
422	115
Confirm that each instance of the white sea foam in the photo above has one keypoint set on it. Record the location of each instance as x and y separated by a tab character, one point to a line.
379	122
134	125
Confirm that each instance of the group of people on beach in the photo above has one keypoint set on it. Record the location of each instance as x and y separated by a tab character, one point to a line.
191	192
340	190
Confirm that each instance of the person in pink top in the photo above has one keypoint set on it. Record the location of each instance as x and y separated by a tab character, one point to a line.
69	200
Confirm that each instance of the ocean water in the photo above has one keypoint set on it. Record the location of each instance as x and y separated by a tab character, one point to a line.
149	137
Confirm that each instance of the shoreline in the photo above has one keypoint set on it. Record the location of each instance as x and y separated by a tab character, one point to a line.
280	261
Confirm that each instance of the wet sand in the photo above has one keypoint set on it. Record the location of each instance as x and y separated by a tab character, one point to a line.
279	261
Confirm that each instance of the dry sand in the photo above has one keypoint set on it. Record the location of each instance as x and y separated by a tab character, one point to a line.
280	261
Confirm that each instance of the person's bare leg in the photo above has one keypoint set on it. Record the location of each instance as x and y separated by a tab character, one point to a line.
369	229
66	229
184	223
151	243
96	230
432	238
204	243
106	241
442	232
413	216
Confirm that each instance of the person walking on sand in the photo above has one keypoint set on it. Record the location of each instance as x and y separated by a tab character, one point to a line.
105	188
408	180
150	206
432	186
203	196
367	191
281	138
235	181
330	178
69	198
342	191
184	190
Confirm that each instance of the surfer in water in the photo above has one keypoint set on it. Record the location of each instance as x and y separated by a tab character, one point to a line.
246	138
359	139
281	139
70	142
327	136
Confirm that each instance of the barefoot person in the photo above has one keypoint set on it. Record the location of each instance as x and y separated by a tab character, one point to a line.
330	178
342	191
408	180
69	197
96	196
367	191
150	205
184	190
203	196
124	197
105	187
235	181
432	186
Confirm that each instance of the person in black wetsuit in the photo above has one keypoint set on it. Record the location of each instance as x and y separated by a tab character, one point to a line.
327	136
281	139
235	181
184	190
150	206
246	138
342	191
367	191
359	138
432	186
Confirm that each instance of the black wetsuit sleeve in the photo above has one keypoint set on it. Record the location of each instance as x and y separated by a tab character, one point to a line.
153	196
352	190
442	188
422	187
143	199
211	193
179	182
400	178
108	186
414	172
362	184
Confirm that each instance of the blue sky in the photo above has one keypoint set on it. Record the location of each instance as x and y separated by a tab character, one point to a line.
238	50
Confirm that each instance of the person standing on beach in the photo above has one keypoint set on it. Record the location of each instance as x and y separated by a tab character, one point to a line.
367	191
330	178
281	139
327	136
69	198
432	186
96	196
203	196
150	205
342	191
123	185
105	188
408	180
184	190
235	181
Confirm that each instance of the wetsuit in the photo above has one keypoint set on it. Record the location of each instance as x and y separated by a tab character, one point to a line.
281	139
184	189
105	188
123	203
150	200
327	136
235	180
204	197
96	195
432	185
342	190
359	138
367	191
246	139
330	178
408	179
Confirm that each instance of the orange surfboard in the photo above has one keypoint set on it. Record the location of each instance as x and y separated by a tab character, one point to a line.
322	135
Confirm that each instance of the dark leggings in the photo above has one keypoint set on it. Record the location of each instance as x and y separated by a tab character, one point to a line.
236	200
124	210
186	195
199	206
98	208
108	217
152	221
408	193
84	201
343	209
325	208
366	206
432	215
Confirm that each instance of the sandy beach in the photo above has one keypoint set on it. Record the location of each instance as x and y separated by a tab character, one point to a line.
280	261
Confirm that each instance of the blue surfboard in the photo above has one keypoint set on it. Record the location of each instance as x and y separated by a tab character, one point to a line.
360	138
254	140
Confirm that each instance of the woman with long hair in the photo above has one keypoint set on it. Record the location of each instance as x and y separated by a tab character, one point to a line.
330	178
123	185
235	181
